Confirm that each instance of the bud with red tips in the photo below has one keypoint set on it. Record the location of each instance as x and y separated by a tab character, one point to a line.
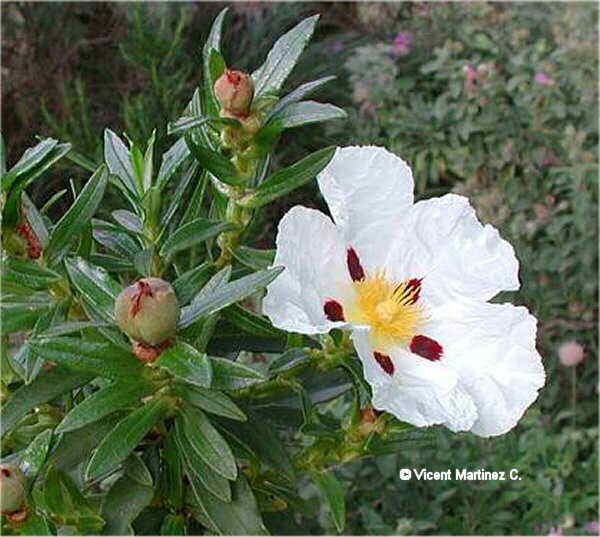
234	90
12	489
147	311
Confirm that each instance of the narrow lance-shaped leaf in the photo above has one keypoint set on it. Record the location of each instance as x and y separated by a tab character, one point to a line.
333	491
304	113
95	285
27	273
299	93
148	163
115	396
215	163
187	364
35	219
208	443
283	57
211	401
125	437
34	457
117	159
128	220
213	42
31	158
77	217
193	233
228	375
288	179
226	295
171	162
188	122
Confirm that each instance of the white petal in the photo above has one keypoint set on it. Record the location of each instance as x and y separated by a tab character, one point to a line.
492	349
442	242
368	190
313	254
419	392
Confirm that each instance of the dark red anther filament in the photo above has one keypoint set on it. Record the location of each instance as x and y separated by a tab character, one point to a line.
426	347
355	269
333	310
385	362
143	290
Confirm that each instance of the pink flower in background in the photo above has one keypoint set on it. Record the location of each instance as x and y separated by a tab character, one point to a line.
402	44
556	531
543	79
570	353
592	527
471	79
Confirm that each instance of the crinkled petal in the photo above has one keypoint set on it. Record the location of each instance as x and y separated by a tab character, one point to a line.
313	254
491	347
419	392
368	190
442	242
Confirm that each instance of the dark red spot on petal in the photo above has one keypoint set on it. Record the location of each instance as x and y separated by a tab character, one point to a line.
355	269
5	472
333	310
426	347
385	362
414	287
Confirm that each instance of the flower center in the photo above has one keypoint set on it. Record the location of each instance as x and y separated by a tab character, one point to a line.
389	308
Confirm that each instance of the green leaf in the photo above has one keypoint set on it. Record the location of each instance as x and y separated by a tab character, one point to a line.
211	401
288	179
77	217
186	177
35	524
136	469
99	358
190	282
239	517
215	163
333	491
116	156
254	258
171	162
45	387
188	122
283	57
186	364
228	375
303	113
82	160
208	443
95	286
289	360
252	323
130	221
122	505
173	471
197	469
62	329
35	220
27	273
193	233
213	42
53	200
125	437
227	295
30	159
299	93
34	457
115	396
111	263
173	525
148	163
18	316
115	239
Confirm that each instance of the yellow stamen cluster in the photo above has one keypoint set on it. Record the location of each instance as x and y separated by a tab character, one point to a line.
389	308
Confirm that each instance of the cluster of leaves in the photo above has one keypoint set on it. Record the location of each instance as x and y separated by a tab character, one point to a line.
204	439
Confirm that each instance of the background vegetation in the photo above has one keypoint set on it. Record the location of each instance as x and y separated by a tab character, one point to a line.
461	96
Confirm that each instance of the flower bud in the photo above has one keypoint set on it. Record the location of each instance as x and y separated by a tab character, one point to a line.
147	311
234	90
12	489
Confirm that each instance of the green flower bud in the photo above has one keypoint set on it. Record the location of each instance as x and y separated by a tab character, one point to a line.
147	311
12	489
235	90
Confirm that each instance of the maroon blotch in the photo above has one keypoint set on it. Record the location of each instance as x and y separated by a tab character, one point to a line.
355	269
426	347
333	310
385	362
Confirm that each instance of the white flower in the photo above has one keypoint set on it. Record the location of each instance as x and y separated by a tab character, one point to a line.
411	281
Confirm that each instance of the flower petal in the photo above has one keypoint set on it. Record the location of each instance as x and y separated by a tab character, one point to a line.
492	349
368	190
419	391
442	242
313	254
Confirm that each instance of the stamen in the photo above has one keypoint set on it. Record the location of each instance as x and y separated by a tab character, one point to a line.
385	362
426	347
333	310
355	269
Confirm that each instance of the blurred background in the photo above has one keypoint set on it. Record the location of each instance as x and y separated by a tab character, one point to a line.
496	101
